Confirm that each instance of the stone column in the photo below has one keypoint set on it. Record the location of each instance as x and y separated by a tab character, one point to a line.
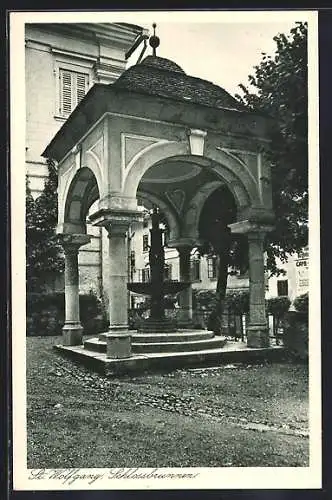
118	337
185	297
257	331
116	214
72	329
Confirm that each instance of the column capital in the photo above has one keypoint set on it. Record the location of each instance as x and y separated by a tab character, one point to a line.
182	243
250	227
72	242
116	218
114	228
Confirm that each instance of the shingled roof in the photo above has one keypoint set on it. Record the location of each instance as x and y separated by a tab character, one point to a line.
161	77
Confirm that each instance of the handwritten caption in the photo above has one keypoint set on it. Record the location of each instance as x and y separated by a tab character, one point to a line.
70	476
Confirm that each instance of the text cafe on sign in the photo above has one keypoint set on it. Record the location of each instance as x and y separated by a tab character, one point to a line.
302	272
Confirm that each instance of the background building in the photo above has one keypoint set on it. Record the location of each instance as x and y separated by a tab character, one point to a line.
293	283
62	62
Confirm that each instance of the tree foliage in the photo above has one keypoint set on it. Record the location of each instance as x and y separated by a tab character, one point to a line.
43	252
279	89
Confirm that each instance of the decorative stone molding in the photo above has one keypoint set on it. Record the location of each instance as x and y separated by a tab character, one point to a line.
132	145
112	217
182	243
108	70
96	151
177	198
197	141
73	240
247	226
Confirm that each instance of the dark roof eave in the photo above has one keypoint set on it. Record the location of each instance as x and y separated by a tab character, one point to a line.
79	109
101	88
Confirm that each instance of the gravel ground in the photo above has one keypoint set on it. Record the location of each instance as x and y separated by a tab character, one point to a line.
234	415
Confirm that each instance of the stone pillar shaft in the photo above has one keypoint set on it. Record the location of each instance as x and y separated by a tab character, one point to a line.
118	278
72	308
185	297
72	329
257	333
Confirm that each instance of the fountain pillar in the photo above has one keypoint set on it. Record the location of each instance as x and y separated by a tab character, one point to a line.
118	337
72	329
185	297
118	263
257	330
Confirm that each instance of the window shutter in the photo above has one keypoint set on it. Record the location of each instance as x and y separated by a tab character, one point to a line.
73	87
81	86
65	92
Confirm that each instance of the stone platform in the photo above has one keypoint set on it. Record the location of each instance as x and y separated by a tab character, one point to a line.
180	341
167	352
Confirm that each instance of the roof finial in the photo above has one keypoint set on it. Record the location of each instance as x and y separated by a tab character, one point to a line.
154	40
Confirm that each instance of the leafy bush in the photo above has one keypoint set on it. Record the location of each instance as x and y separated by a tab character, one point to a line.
44	254
46	313
238	302
301	303
296	335
278	306
204	299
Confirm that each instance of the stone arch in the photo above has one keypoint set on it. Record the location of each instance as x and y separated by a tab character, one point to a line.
227	167
195	207
66	180
168	212
147	158
236	174
81	193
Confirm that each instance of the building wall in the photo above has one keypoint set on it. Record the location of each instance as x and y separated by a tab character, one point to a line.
97	51
296	275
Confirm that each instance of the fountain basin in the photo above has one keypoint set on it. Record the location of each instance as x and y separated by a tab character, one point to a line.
167	288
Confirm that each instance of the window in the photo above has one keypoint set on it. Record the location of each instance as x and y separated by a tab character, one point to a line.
212	267
145	242
145	275
266	279
196	269
282	286
73	87
168	272
132	261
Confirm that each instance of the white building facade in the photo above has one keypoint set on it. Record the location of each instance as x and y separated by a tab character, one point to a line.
62	63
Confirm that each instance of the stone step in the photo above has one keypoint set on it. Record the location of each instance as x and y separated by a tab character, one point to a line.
171	337
97	345
178	336
157	329
152	325
183	346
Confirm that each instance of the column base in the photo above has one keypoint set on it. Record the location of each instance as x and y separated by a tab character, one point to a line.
118	344
258	336
72	334
184	317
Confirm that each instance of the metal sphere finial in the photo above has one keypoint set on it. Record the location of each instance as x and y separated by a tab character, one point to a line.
154	40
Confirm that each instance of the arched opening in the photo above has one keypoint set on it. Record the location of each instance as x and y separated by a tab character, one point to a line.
82	193
81	200
228	251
